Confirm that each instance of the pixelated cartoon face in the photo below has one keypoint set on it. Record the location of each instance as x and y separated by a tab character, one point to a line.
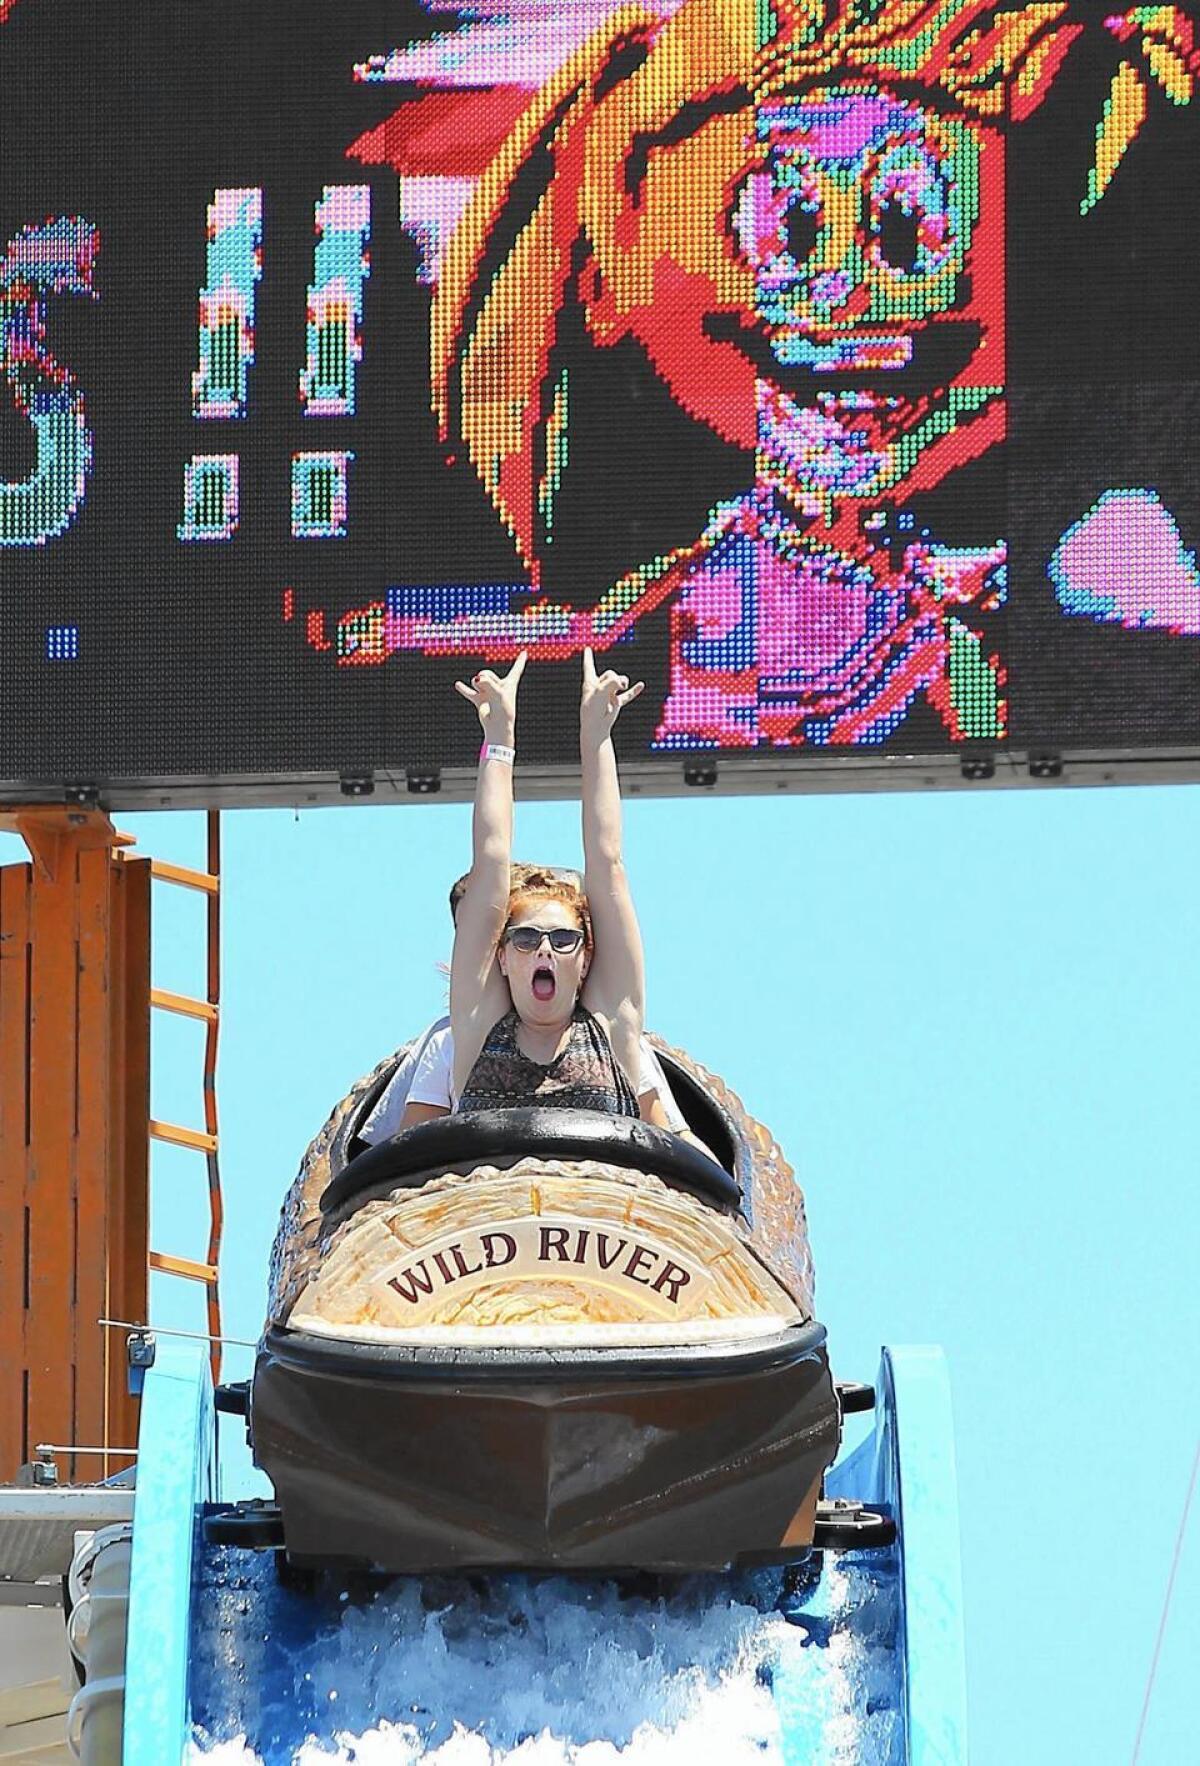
858	224
806	276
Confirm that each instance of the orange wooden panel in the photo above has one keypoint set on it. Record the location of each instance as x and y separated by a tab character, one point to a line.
14	1083
129	1138
51	1179
97	1079
54	833
74	1104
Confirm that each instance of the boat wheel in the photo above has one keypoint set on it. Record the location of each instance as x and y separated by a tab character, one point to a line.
253	1526
844	1525
854	1397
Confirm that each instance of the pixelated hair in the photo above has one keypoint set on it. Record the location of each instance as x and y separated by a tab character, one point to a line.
991	62
557	184
552	885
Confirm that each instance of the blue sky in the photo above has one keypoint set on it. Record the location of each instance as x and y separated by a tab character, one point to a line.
970	1018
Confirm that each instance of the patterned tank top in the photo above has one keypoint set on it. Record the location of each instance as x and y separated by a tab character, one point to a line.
584	1075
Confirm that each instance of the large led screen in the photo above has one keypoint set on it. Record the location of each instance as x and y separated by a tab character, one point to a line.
832	365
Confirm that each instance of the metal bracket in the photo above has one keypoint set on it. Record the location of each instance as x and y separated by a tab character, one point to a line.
139	1352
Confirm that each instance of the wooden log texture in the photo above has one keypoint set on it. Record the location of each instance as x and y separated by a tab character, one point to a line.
756	1264
589	1223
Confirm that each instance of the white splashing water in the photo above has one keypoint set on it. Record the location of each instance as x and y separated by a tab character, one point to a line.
519	1671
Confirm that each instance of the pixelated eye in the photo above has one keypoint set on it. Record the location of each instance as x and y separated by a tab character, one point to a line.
801	230
898	230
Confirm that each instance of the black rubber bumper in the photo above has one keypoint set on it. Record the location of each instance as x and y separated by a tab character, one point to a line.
502	1137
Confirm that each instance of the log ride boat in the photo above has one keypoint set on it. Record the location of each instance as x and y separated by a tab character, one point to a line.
544	1339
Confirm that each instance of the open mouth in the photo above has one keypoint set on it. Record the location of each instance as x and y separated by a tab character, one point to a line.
543	983
907	366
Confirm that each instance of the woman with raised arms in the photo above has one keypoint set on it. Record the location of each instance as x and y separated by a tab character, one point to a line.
547	983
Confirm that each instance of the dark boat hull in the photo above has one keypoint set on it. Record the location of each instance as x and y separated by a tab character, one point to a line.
429	1459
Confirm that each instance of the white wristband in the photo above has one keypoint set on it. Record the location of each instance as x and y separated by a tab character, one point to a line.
498	751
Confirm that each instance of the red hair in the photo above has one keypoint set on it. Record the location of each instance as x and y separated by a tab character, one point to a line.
535	885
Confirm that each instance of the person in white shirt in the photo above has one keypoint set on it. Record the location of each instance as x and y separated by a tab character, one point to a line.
420	1088
387	1114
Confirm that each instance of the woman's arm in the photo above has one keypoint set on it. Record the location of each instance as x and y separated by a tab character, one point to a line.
615	986
653	1110
484	906
417	1113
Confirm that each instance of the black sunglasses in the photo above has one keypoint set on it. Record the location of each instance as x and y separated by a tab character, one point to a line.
563	939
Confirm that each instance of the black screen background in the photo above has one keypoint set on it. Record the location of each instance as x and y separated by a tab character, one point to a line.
130	114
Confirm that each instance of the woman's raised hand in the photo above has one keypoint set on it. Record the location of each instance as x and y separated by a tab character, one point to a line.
495	699
603	698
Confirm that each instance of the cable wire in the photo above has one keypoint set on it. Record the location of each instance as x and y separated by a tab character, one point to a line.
1162	1623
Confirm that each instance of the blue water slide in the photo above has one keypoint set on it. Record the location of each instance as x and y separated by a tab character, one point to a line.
177	1476
857	1657
906	1467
